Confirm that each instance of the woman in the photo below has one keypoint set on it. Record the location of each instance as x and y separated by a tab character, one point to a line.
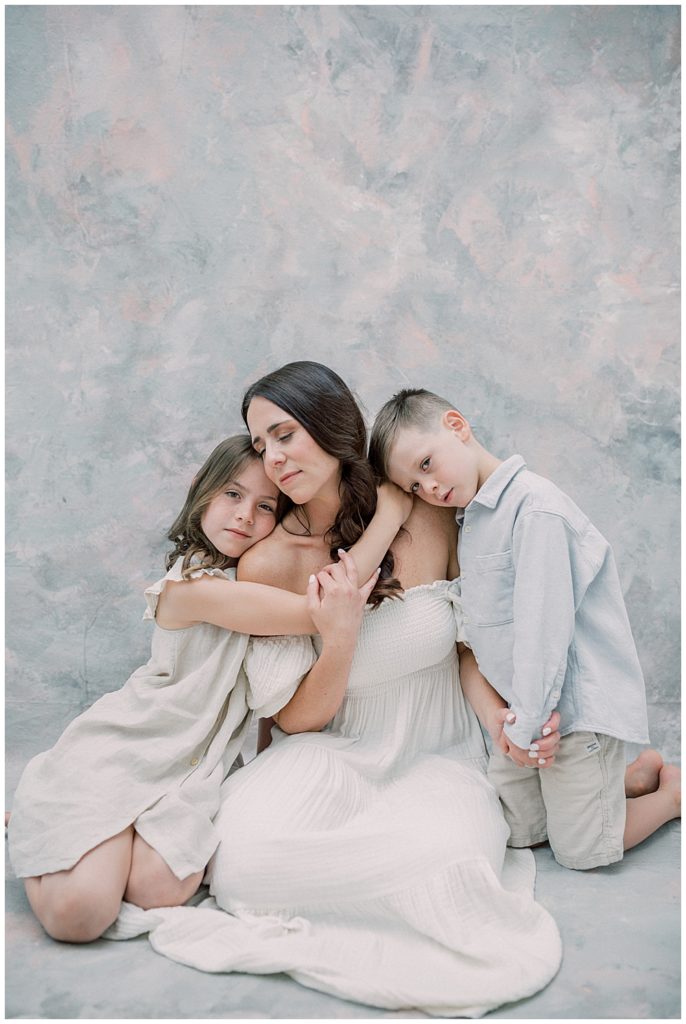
368	859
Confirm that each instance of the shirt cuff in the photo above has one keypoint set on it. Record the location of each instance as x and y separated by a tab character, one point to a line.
525	729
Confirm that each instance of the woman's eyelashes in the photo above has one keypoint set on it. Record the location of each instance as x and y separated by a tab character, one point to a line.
282	439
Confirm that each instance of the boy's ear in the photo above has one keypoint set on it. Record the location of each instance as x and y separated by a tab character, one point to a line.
457	424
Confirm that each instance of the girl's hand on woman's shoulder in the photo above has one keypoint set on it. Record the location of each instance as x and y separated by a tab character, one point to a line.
393	502
335	601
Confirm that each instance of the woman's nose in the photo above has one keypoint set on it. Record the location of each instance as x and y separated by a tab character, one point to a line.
273	456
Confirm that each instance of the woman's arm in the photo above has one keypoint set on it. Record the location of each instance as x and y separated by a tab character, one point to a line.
337	614
493	711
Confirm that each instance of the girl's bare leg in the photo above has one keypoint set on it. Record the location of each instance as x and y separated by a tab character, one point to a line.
643	775
78	905
646	814
151	881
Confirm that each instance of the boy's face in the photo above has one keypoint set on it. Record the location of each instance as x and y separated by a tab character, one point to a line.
439	465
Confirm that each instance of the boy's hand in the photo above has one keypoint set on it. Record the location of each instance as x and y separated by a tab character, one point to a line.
393	502
541	752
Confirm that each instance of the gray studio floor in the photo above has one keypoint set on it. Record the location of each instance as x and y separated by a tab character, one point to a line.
620	929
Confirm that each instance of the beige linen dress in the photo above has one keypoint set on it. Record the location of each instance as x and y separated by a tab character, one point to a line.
154	753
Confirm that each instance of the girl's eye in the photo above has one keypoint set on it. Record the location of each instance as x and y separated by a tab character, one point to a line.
414	488
267	508
425	464
232	494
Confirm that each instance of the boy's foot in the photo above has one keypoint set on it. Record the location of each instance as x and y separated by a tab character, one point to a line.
670	785
643	775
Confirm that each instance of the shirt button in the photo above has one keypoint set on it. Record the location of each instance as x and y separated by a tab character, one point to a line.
556	694
194	761
467	529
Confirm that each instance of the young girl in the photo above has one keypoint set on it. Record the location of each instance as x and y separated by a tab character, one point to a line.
122	806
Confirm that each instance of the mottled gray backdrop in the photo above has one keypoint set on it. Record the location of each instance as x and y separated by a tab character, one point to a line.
481	200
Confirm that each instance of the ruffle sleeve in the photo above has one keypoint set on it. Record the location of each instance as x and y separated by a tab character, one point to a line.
152	593
454	594
275	666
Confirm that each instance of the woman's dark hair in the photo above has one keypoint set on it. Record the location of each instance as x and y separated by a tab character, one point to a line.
224	464
322	402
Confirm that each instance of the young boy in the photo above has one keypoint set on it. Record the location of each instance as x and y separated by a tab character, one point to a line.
546	621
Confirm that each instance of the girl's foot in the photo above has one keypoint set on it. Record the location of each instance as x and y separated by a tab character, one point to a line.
670	785
643	775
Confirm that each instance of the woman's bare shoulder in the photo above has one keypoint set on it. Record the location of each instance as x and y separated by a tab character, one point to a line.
270	561
438	521
422	548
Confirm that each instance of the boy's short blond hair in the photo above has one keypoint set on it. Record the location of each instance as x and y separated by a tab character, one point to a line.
411	407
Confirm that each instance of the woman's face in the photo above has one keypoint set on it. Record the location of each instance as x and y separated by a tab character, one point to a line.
292	459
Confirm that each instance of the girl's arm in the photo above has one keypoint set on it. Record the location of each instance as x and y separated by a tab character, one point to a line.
268	611
393	506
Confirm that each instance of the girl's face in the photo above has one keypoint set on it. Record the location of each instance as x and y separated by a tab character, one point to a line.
291	457
242	513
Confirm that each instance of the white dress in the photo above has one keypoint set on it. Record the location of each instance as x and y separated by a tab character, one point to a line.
369	860
153	753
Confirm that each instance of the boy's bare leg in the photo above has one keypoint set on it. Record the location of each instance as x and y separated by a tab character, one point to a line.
79	904
643	775
152	883
646	814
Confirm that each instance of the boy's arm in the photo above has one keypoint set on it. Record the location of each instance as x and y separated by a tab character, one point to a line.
543	612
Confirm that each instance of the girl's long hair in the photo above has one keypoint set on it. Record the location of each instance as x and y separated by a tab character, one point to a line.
224	464
322	402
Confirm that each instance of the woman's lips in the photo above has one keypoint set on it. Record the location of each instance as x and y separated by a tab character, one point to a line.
288	476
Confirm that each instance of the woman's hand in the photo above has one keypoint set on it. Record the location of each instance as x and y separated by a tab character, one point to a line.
393	502
336	602
541	752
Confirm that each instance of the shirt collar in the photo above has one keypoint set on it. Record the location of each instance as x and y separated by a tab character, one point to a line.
489	494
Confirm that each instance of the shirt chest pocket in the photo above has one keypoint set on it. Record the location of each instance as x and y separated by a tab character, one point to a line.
493	587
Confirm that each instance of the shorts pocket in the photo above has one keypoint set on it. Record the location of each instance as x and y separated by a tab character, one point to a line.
493	588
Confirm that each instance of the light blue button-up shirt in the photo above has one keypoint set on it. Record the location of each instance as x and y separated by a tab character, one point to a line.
544	611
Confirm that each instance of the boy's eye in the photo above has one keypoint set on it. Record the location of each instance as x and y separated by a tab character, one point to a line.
414	488
425	464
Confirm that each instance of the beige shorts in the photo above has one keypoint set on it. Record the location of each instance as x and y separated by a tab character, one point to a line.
578	804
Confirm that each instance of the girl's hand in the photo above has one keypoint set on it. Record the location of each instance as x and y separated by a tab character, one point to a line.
335	601
393	502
